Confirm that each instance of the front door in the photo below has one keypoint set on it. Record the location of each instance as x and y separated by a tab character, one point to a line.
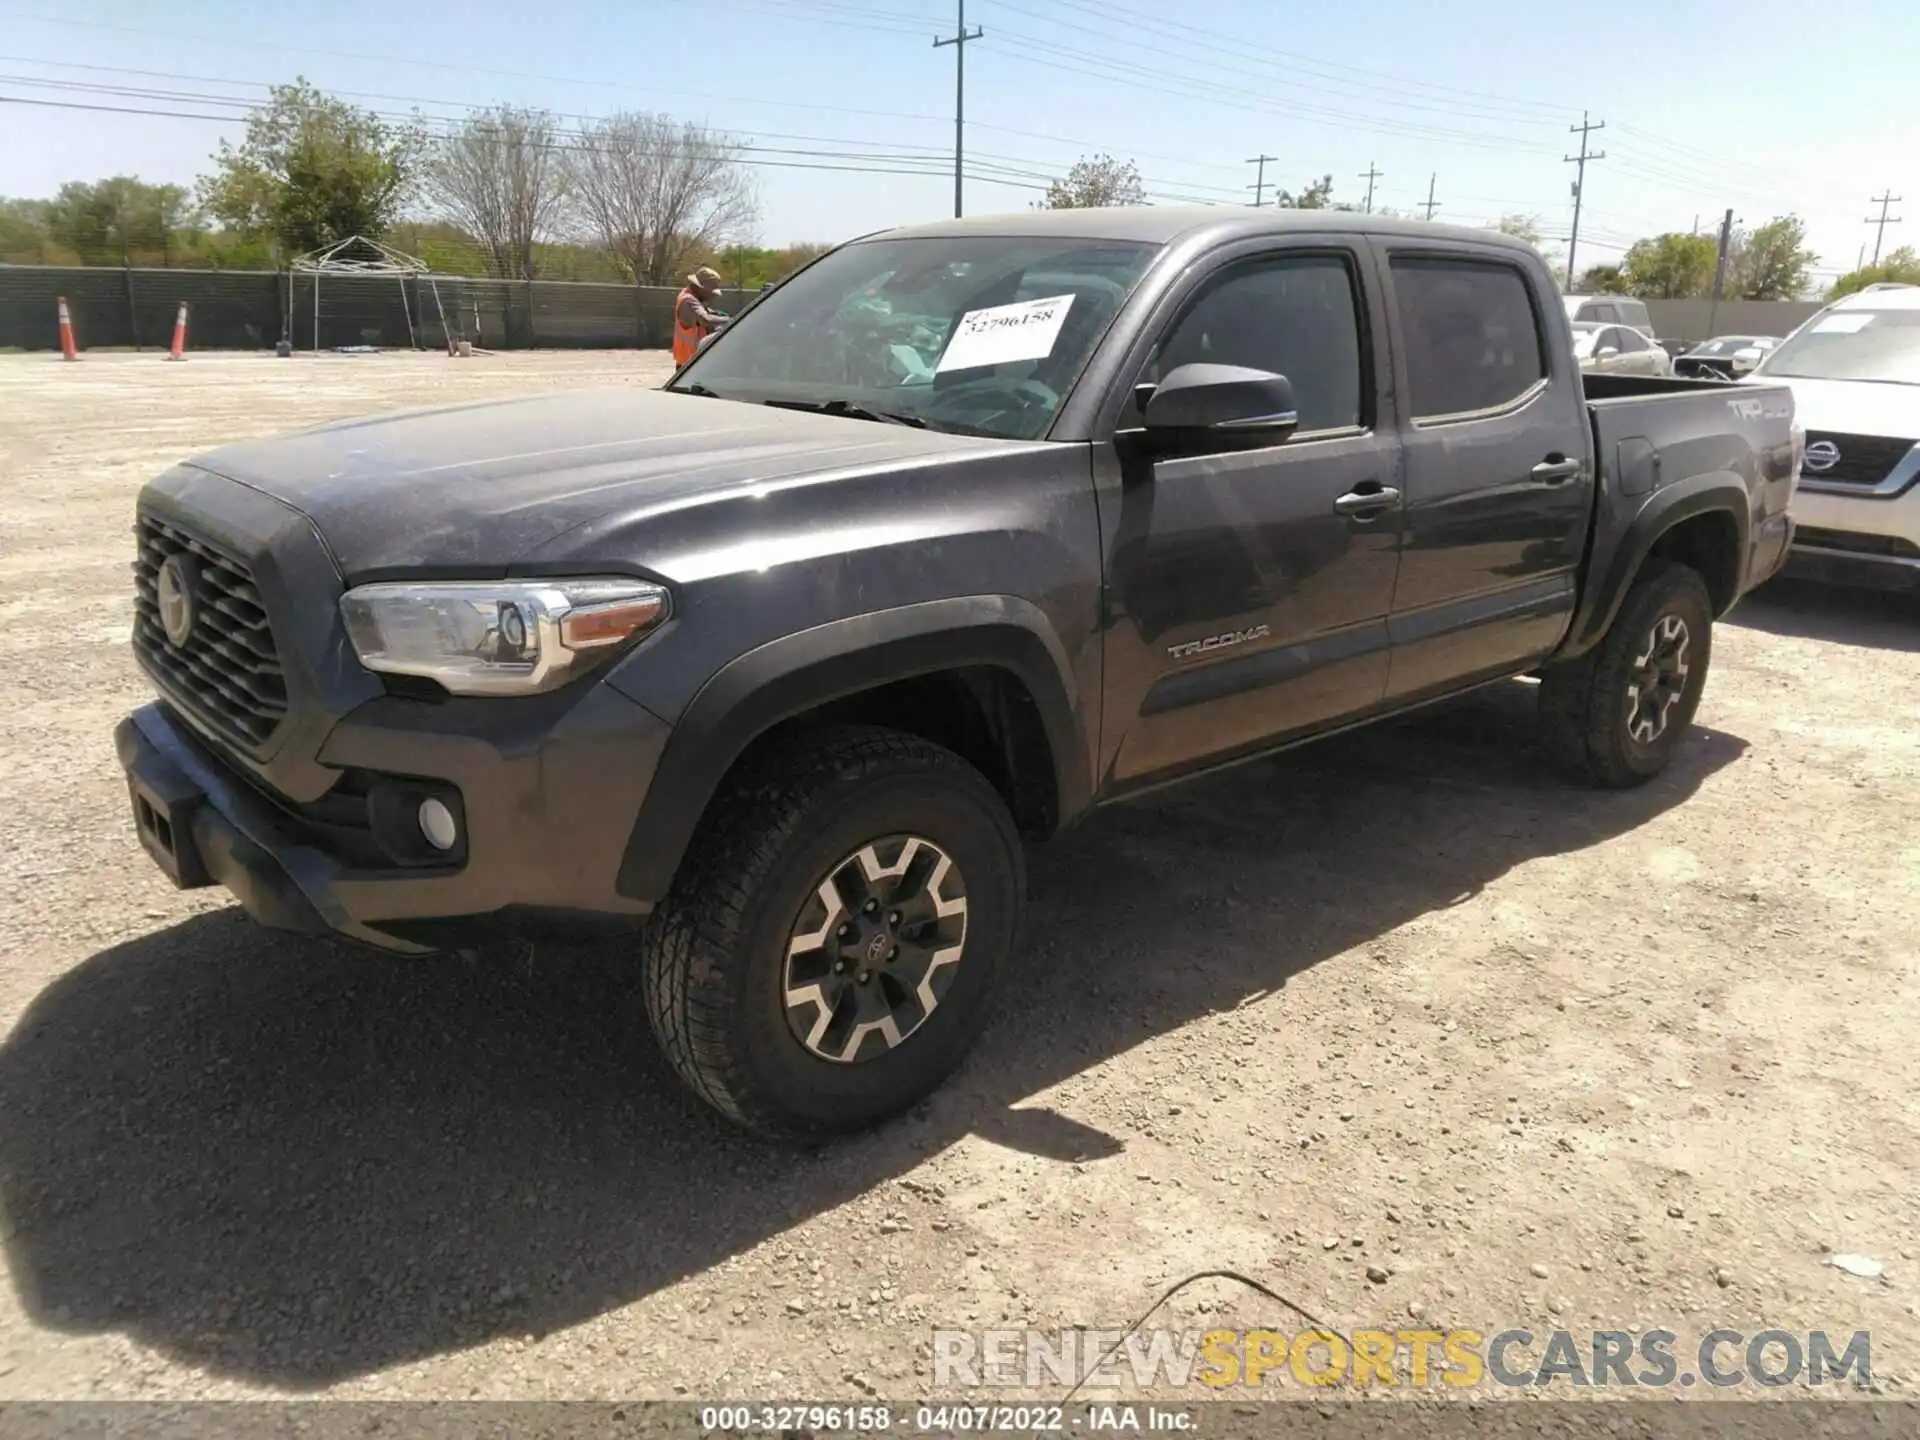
1249	589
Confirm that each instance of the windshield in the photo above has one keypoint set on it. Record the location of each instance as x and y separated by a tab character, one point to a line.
1731	345
1877	345
983	335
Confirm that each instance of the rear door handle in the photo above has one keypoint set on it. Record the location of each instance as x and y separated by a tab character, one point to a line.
1367	499
1556	470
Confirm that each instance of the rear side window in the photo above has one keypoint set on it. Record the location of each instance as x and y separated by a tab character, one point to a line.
1472	340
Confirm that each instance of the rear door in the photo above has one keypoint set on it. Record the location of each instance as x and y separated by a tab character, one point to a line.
1499	483
1248	590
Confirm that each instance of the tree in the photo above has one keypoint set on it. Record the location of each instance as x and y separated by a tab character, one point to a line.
1094	182
499	177
110	222
1317	196
314	170
1671	266
1900	266
24	238
1603	280
655	191
1771	263
1520	227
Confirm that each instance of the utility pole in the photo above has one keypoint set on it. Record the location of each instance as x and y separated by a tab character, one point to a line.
959	40
1259	186
1720	272
1883	200
1432	205
1370	174
1585	128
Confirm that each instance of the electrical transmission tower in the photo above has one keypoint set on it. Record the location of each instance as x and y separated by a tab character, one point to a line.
1431	203
1880	222
1259	186
1585	128
959	40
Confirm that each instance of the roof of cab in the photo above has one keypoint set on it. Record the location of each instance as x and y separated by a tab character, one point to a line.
1164	224
1884	296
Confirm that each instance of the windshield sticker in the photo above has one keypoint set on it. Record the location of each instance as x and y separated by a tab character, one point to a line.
1003	333
1842	324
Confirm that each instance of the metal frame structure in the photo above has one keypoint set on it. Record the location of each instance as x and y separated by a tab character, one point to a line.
356	255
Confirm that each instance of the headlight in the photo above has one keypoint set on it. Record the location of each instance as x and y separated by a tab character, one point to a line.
506	637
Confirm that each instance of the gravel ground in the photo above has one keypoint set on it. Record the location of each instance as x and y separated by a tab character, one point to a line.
1401	1004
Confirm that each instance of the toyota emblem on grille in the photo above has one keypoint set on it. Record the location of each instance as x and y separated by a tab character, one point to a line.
1821	457
174	594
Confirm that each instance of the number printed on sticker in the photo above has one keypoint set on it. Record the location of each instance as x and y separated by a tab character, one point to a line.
1002	333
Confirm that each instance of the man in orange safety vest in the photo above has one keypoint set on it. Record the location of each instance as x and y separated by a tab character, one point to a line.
693	316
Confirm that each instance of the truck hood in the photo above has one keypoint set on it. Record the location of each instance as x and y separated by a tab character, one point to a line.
473	488
1852	407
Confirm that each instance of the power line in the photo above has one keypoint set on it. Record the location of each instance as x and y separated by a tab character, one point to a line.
959	40
1259	186
1585	128
1883	200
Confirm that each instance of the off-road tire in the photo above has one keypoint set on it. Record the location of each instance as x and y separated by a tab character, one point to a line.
715	952
1584	723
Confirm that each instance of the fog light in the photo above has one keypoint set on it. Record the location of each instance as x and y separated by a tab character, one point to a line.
436	823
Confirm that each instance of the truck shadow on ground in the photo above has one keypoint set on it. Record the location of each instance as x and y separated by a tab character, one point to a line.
1839	615
285	1163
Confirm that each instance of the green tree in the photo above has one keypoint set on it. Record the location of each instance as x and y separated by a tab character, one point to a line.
1096	181
1316	196
1603	280
24	237
1900	266
1671	266
1771	263
314	170
119	220
1520	227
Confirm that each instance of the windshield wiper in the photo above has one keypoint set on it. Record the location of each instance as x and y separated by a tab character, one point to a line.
849	409
698	389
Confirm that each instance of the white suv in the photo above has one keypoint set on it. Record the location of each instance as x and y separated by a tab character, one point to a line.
1855	373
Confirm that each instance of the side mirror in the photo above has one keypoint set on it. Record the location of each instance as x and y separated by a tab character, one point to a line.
1220	407
1745	360
1605	352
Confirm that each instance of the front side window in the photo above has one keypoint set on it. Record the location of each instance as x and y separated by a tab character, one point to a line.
1296	317
1472	340
982	335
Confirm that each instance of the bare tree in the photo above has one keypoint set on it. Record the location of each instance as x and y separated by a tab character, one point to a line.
655	191
499	176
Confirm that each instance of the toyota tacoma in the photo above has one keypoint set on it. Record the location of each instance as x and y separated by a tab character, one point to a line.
959	534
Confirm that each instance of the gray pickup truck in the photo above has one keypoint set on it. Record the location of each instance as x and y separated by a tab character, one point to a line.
958	534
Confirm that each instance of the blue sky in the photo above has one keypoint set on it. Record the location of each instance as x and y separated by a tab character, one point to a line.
1763	106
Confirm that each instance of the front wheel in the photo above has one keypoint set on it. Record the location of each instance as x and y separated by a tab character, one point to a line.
837	933
1615	716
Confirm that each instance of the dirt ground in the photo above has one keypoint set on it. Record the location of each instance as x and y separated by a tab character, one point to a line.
1536	1056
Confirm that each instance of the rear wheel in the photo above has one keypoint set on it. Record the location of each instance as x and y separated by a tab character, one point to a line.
1615	716
836	936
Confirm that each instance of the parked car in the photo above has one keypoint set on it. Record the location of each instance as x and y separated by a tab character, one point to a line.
1610	310
1854	369
958	534
1618	350
1726	357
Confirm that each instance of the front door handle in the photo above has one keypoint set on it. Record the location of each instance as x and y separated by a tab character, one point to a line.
1556	470
1368	499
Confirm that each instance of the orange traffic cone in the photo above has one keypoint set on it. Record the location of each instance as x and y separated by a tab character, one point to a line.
67	348
179	350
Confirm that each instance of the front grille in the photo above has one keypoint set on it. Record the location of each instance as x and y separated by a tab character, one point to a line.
1855	543
1864	459
226	670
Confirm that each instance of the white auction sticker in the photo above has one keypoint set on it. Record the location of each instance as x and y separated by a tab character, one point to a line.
1843	324
1002	333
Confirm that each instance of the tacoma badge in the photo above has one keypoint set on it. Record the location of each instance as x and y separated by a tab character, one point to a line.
1218	642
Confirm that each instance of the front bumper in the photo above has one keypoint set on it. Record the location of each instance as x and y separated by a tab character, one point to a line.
548	794
1857	539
